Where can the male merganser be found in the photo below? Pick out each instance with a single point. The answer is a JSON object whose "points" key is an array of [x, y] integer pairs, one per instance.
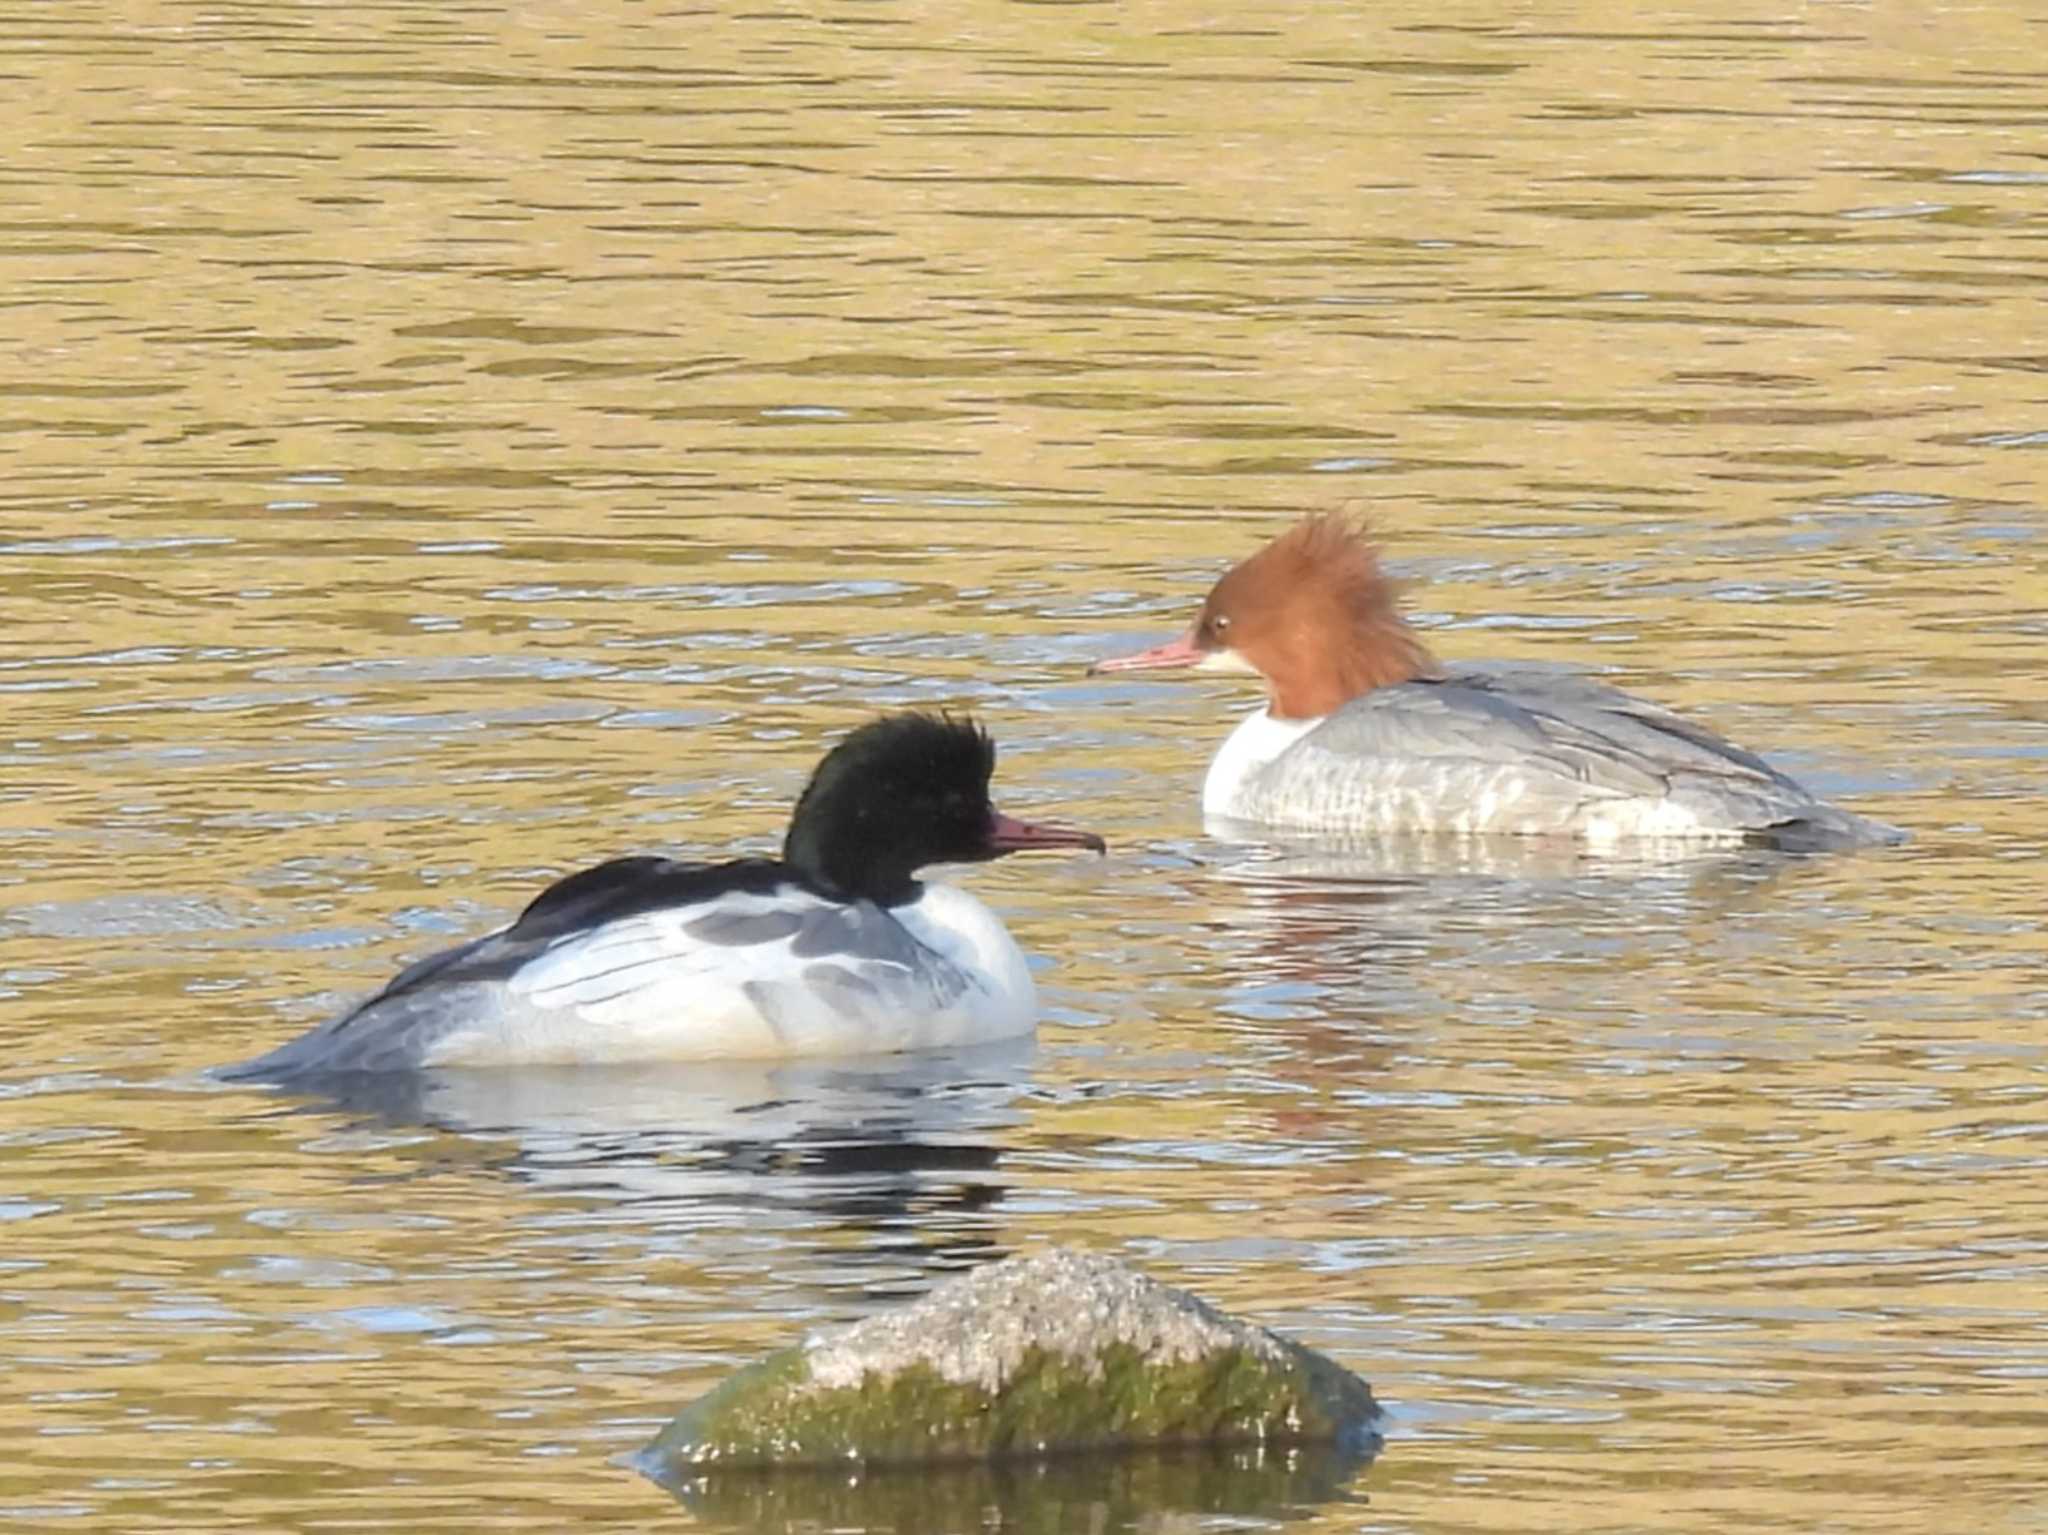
{"points": [[834, 949], [1364, 731]]}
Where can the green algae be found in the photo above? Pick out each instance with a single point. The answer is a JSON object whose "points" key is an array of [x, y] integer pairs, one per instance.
{"points": [[1062, 1495], [773, 1414]]}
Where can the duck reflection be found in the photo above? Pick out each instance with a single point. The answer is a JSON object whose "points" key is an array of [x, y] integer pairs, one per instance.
{"points": [[1408, 858], [906, 1147], [1321, 907]]}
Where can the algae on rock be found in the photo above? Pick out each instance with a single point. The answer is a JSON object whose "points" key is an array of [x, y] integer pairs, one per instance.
{"points": [[1051, 1354], [1159, 1489]]}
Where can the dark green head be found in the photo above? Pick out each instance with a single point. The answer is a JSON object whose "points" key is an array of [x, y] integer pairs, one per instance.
{"points": [[897, 794]]}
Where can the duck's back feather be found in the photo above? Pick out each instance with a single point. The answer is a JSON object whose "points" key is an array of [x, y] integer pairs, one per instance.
{"points": [[647, 959], [1533, 754]]}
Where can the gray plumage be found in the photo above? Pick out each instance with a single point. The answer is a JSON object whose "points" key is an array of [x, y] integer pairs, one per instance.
{"points": [[1532, 753]]}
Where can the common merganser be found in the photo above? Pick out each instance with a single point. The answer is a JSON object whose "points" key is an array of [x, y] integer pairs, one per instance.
{"points": [[1364, 731], [833, 949]]}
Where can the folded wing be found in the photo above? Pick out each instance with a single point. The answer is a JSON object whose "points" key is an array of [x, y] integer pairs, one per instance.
{"points": [[646, 959]]}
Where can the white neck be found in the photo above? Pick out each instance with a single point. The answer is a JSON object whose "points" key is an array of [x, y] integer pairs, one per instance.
{"points": [[1258, 739]]}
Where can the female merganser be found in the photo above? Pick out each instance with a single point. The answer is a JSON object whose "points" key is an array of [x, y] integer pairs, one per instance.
{"points": [[1364, 731], [834, 949]]}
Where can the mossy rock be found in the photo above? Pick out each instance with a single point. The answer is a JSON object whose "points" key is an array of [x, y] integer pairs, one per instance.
{"points": [[1048, 1355], [1056, 1495]]}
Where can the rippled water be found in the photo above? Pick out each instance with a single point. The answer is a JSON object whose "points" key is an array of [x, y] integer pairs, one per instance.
{"points": [[448, 444]]}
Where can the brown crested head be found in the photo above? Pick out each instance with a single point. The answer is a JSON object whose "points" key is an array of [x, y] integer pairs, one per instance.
{"points": [[1314, 614]]}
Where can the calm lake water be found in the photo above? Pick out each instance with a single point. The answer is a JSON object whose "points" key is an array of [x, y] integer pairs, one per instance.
{"points": [[446, 444]]}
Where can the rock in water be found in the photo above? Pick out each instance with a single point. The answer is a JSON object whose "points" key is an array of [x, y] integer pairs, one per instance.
{"points": [[1050, 1354], [1191, 1488]]}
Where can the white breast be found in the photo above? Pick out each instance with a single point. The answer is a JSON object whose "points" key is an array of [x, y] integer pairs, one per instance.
{"points": [[1258, 739], [957, 926]]}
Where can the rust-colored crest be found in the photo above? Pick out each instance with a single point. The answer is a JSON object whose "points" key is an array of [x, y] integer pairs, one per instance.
{"points": [[1317, 616]]}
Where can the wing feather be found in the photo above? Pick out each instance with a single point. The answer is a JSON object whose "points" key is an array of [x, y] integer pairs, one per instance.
{"points": [[1531, 752], [644, 959], [825, 972]]}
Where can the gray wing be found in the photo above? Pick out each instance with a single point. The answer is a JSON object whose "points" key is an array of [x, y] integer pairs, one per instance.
{"points": [[789, 974], [749, 976], [1539, 753], [1604, 735]]}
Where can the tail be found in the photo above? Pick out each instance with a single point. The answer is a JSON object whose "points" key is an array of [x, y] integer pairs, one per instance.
{"points": [[1827, 829], [392, 1031]]}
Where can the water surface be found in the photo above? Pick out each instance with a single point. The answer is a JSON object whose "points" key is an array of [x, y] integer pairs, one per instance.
{"points": [[446, 445]]}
